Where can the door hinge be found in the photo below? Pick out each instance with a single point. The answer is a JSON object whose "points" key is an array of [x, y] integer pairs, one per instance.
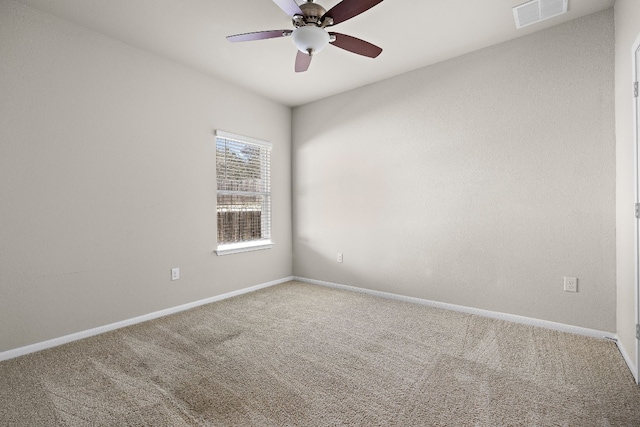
{"points": [[637, 332], [635, 89], [637, 210]]}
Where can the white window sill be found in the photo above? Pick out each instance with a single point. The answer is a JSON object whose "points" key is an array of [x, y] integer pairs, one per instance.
{"points": [[236, 248]]}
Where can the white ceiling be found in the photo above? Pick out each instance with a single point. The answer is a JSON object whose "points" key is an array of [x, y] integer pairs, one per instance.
{"points": [[413, 34]]}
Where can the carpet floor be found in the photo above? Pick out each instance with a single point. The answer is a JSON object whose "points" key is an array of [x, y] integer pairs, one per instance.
{"points": [[303, 355]]}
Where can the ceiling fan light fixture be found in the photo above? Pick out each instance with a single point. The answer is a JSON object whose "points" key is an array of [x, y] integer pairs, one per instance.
{"points": [[310, 35], [310, 38]]}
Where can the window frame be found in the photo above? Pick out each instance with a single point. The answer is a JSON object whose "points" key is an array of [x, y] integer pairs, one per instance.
{"points": [[249, 245]]}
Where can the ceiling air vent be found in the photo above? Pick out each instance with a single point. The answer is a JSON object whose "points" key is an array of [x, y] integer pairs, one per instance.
{"points": [[538, 10]]}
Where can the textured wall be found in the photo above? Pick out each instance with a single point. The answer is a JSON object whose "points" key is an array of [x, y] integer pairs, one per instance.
{"points": [[107, 180], [479, 181], [627, 18]]}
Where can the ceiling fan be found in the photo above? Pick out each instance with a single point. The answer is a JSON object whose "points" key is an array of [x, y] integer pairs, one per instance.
{"points": [[310, 35]]}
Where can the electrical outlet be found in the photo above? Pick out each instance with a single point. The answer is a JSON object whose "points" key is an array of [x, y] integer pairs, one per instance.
{"points": [[175, 273], [340, 257], [571, 284]]}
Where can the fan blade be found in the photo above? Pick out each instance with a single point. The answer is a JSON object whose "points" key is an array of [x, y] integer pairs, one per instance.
{"points": [[302, 62], [356, 45], [290, 7], [347, 9], [259, 35]]}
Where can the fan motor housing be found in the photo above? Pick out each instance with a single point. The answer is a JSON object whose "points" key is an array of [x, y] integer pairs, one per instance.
{"points": [[313, 12]]}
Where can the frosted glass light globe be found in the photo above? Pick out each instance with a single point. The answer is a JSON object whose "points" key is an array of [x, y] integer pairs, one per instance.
{"points": [[310, 37]]}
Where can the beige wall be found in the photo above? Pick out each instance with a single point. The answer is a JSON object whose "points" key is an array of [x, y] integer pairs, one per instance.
{"points": [[480, 181], [627, 19], [107, 180]]}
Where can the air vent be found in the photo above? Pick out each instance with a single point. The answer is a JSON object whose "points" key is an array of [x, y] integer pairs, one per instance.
{"points": [[538, 10]]}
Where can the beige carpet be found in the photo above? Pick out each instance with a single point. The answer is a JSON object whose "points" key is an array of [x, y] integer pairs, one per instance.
{"points": [[303, 355]]}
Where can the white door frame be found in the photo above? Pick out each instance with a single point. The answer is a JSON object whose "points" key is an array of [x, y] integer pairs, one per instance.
{"points": [[635, 55]]}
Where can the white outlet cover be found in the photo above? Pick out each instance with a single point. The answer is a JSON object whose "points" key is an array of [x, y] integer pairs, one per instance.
{"points": [[175, 273], [571, 284]]}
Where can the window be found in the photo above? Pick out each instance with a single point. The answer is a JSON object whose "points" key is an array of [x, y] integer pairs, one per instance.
{"points": [[244, 193]]}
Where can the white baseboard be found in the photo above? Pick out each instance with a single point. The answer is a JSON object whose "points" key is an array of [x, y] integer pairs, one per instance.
{"points": [[630, 363], [484, 313], [21, 351]]}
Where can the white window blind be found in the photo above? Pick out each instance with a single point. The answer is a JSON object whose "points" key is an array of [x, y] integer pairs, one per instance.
{"points": [[243, 172]]}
